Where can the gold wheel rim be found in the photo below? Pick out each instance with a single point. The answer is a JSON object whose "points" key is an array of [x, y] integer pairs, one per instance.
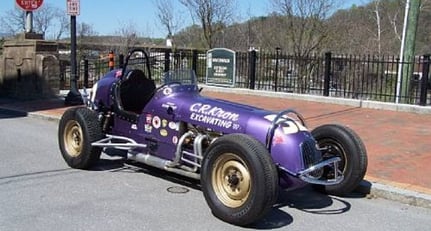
{"points": [[73, 138], [231, 180]]}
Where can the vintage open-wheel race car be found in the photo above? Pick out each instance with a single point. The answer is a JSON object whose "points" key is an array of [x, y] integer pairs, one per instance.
{"points": [[241, 154]]}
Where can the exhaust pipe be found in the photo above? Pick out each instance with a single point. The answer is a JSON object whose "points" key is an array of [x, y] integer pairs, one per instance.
{"points": [[161, 164]]}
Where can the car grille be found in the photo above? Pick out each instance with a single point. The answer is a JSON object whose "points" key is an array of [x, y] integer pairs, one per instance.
{"points": [[310, 154]]}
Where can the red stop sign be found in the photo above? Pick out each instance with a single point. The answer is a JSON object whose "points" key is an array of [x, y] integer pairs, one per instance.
{"points": [[29, 5]]}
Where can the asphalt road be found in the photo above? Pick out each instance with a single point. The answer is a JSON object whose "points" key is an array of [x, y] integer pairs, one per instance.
{"points": [[38, 191]]}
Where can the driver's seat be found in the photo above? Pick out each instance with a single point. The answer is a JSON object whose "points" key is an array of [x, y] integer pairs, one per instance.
{"points": [[136, 90]]}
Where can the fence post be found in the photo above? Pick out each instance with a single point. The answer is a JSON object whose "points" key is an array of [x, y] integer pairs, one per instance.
{"points": [[86, 73], [167, 60], [277, 57], [252, 69], [120, 61], [195, 61], [327, 77], [111, 60], [424, 80]]}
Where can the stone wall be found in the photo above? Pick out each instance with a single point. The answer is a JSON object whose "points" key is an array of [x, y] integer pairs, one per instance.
{"points": [[29, 68]]}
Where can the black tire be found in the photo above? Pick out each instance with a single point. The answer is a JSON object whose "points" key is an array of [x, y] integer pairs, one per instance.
{"points": [[239, 179], [346, 144], [78, 128]]}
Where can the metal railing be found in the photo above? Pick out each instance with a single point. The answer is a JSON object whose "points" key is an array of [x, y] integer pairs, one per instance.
{"points": [[345, 76]]}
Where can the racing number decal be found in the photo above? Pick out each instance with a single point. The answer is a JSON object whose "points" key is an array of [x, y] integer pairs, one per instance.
{"points": [[289, 126]]}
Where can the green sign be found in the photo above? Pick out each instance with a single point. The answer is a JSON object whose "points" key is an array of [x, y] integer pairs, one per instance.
{"points": [[221, 67]]}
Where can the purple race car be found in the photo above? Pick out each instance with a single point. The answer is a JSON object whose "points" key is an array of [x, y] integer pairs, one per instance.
{"points": [[241, 154]]}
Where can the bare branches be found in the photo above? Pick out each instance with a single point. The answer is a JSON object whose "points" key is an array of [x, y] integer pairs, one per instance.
{"points": [[213, 16], [304, 23], [128, 36], [13, 21], [167, 17], [48, 20], [378, 25]]}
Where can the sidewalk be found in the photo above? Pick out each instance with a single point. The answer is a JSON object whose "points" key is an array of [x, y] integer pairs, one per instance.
{"points": [[398, 143]]}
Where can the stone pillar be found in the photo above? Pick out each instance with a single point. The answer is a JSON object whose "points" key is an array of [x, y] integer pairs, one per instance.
{"points": [[30, 67]]}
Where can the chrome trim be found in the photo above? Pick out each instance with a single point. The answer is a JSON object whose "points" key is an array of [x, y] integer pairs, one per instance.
{"points": [[178, 150], [338, 177], [197, 152], [163, 164], [107, 143], [303, 175]]}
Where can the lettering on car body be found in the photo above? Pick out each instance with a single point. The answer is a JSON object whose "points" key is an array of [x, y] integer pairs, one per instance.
{"points": [[213, 115]]}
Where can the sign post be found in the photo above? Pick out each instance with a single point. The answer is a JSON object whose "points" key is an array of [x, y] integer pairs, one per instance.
{"points": [[73, 97], [221, 67], [29, 6]]}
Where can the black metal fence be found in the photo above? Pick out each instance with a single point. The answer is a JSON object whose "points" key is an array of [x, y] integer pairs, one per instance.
{"points": [[346, 76]]}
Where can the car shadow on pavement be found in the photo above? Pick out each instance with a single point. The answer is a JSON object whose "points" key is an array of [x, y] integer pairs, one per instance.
{"points": [[306, 200], [9, 114], [114, 160]]}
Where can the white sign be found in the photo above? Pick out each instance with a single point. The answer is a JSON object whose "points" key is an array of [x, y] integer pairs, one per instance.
{"points": [[73, 7]]}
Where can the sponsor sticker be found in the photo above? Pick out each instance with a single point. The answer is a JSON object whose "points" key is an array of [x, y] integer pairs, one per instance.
{"points": [[148, 128], [172, 125], [175, 139], [167, 91], [156, 122], [163, 132], [148, 119]]}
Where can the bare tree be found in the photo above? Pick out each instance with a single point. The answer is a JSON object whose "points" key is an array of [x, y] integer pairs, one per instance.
{"points": [[127, 37], [395, 23], [378, 25], [213, 16], [84, 32], [48, 20], [167, 17], [43, 19], [49, 17], [13, 21], [306, 31], [187, 37], [305, 25], [63, 26]]}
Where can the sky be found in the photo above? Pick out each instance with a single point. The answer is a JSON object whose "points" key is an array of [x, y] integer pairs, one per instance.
{"points": [[108, 16]]}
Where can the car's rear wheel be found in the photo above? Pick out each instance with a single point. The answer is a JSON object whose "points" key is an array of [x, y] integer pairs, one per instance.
{"points": [[239, 179], [78, 128], [343, 142]]}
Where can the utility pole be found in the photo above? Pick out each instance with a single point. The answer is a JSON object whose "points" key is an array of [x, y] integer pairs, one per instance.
{"points": [[409, 49]]}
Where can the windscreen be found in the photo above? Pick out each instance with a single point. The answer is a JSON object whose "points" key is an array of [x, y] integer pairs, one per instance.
{"points": [[183, 76]]}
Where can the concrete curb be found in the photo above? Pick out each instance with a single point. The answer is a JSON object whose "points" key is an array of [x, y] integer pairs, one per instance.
{"points": [[389, 192], [44, 117]]}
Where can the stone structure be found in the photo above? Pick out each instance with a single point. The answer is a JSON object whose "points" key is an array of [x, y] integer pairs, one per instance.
{"points": [[29, 68]]}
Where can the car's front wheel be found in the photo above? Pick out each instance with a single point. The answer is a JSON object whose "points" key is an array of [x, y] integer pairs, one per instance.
{"points": [[78, 128], [343, 142], [239, 179]]}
